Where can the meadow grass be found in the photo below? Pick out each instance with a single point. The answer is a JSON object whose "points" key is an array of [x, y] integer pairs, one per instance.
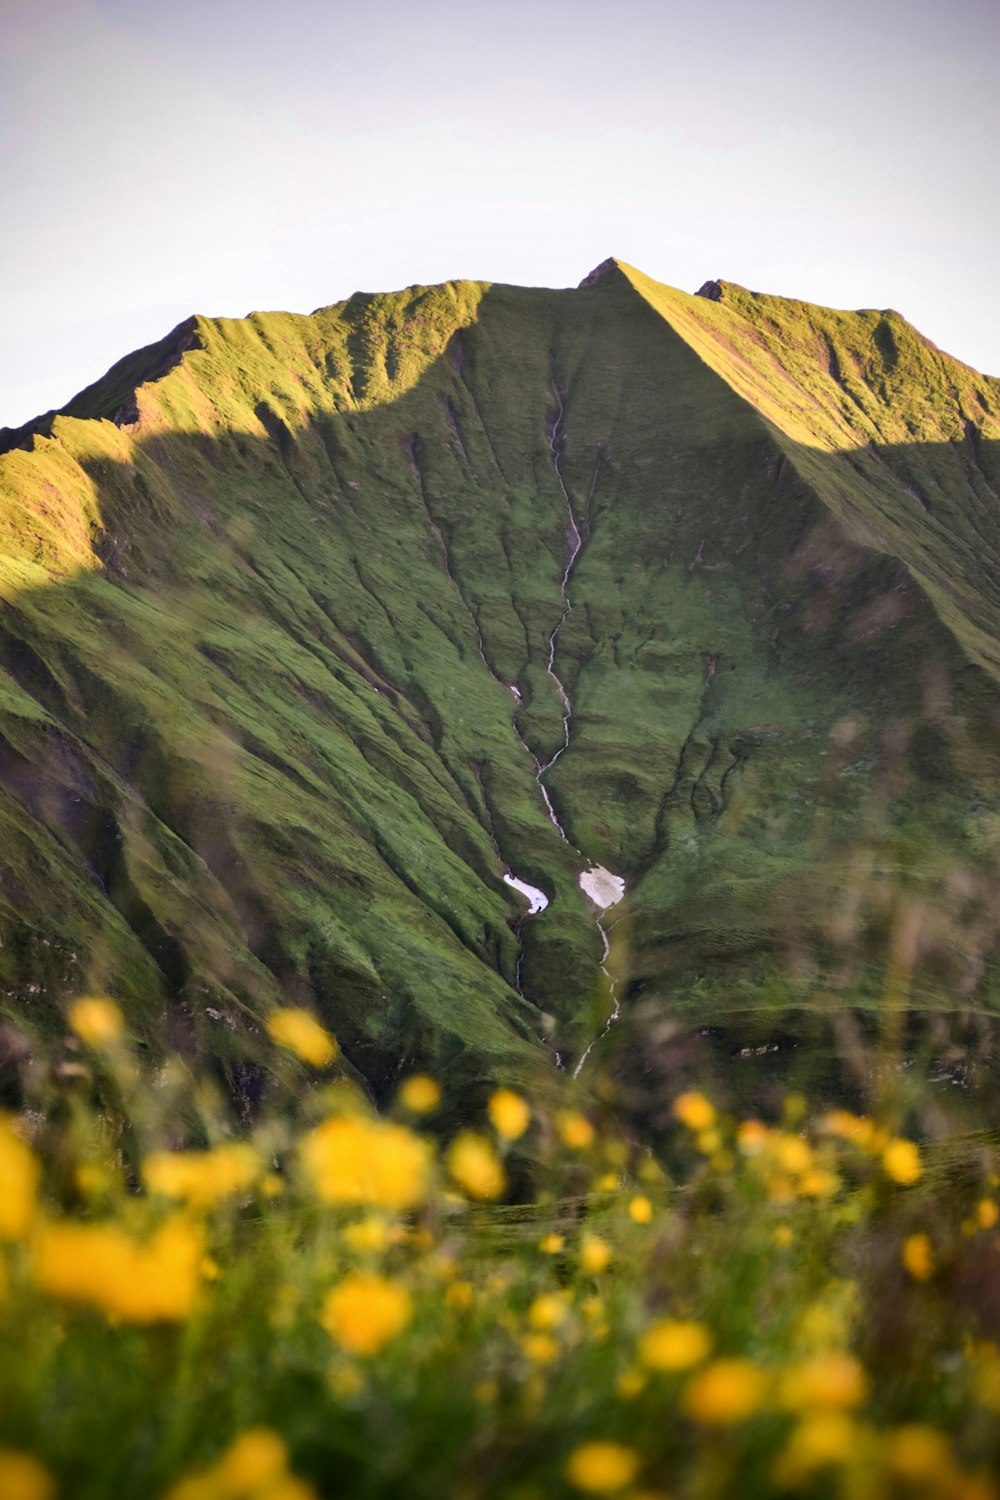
{"points": [[336, 1302]]}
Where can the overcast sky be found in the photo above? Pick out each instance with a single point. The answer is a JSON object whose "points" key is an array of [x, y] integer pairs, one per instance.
{"points": [[163, 157]]}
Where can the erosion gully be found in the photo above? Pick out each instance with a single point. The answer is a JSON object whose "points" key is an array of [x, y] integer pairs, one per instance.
{"points": [[602, 889]]}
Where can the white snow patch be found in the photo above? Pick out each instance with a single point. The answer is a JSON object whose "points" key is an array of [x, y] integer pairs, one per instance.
{"points": [[603, 888], [537, 900]]}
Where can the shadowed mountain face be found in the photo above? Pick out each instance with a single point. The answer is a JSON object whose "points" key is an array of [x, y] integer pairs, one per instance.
{"points": [[316, 627]]}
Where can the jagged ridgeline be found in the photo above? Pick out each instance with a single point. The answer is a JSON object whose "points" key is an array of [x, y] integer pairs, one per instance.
{"points": [[315, 628]]}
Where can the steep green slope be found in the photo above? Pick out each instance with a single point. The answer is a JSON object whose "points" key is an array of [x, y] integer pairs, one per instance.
{"points": [[271, 585]]}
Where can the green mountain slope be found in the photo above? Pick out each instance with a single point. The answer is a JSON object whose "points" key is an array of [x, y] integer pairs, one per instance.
{"points": [[270, 588]]}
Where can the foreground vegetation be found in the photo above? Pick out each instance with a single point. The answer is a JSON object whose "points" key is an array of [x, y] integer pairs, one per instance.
{"points": [[336, 1302]]}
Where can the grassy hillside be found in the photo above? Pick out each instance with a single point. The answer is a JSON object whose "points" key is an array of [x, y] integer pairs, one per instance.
{"points": [[270, 584]]}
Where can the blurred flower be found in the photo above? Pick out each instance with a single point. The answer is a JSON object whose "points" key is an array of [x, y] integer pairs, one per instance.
{"points": [[367, 1236], [202, 1178], [835, 1379], [540, 1348], [918, 1453], [694, 1110], [19, 1172], [575, 1130], [473, 1164], [23, 1477], [987, 1213], [302, 1034], [901, 1161], [918, 1256], [822, 1439], [752, 1137], [96, 1020], [551, 1244], [595, 1254], [138, 1282], [602, 1468], [509, 1114], [419, 1094], [350, 1159], [726, 1393], [669, 1345], [363, 1313], [253, 1467], [548, 1311], [640, 1210]]}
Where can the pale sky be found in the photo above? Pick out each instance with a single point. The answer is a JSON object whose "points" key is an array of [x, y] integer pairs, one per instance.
{"points": [[164, 157]]}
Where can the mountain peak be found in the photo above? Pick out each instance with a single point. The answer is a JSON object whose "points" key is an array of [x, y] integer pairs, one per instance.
{"points": [[710, 289], [606, 271]]}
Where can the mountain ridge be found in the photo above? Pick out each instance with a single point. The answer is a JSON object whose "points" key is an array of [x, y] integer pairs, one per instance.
{"points": [[307, 575]]}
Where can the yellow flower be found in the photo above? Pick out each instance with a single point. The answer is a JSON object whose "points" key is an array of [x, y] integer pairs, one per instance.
{"points": [[602, 1468], [987, 1213], [752, 1137], [694, 1110], [819, 1182], [138, 1282], [420, 1095], [792, 1153], [96, 1021], [473, 1164], [595, 1254], [853, 1128], [302, 1034], [640, 1210], [783, 1237], [253, 1467], [575, 1130], [368, 1236], [509, 1114], [822, 1439], [202, 1178], [540, 1348], [23, 1478], [459, 1295], [363, 1313], [630, 1383], [354, 1160], [19, 1173], [548, 1311], [835, 1380], [551, 1244], [726, 1393], [255, 1461], [901, 1160], [918, 1256], [669, 1345], [921, 1454]]}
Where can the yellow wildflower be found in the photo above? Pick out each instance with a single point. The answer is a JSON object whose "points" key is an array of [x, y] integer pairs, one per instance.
{"points": [[640, 1210], [752, 1137], [854, 1128], [420, 1095], [918, 1256], [834, 1379], [670, 1345], [792, 1153], [694, 1111], [602, 1468], [255, 1460], [202, 1178], [595, 1254], [19, 1174], [548, 1311], [901, 1161], [726, 1393], [363, 1313], [367, 1236], [783, 1237], [824, 1438], [819, 1182], [23, 1478], [100, 1264], [354, 1160], [540, 1348], [551, 1244], [630, 1383], [459, 1295], [921, 1454], [575, 1130], [302, 1034], [987, 1213], [473, 1164], [96, 1020], [509, 1114]]}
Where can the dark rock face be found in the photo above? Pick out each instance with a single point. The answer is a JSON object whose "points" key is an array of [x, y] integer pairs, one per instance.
{"points": [[710, 289]]}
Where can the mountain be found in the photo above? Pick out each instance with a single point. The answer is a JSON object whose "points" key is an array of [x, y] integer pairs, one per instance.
{"points": [[317, 627]]}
